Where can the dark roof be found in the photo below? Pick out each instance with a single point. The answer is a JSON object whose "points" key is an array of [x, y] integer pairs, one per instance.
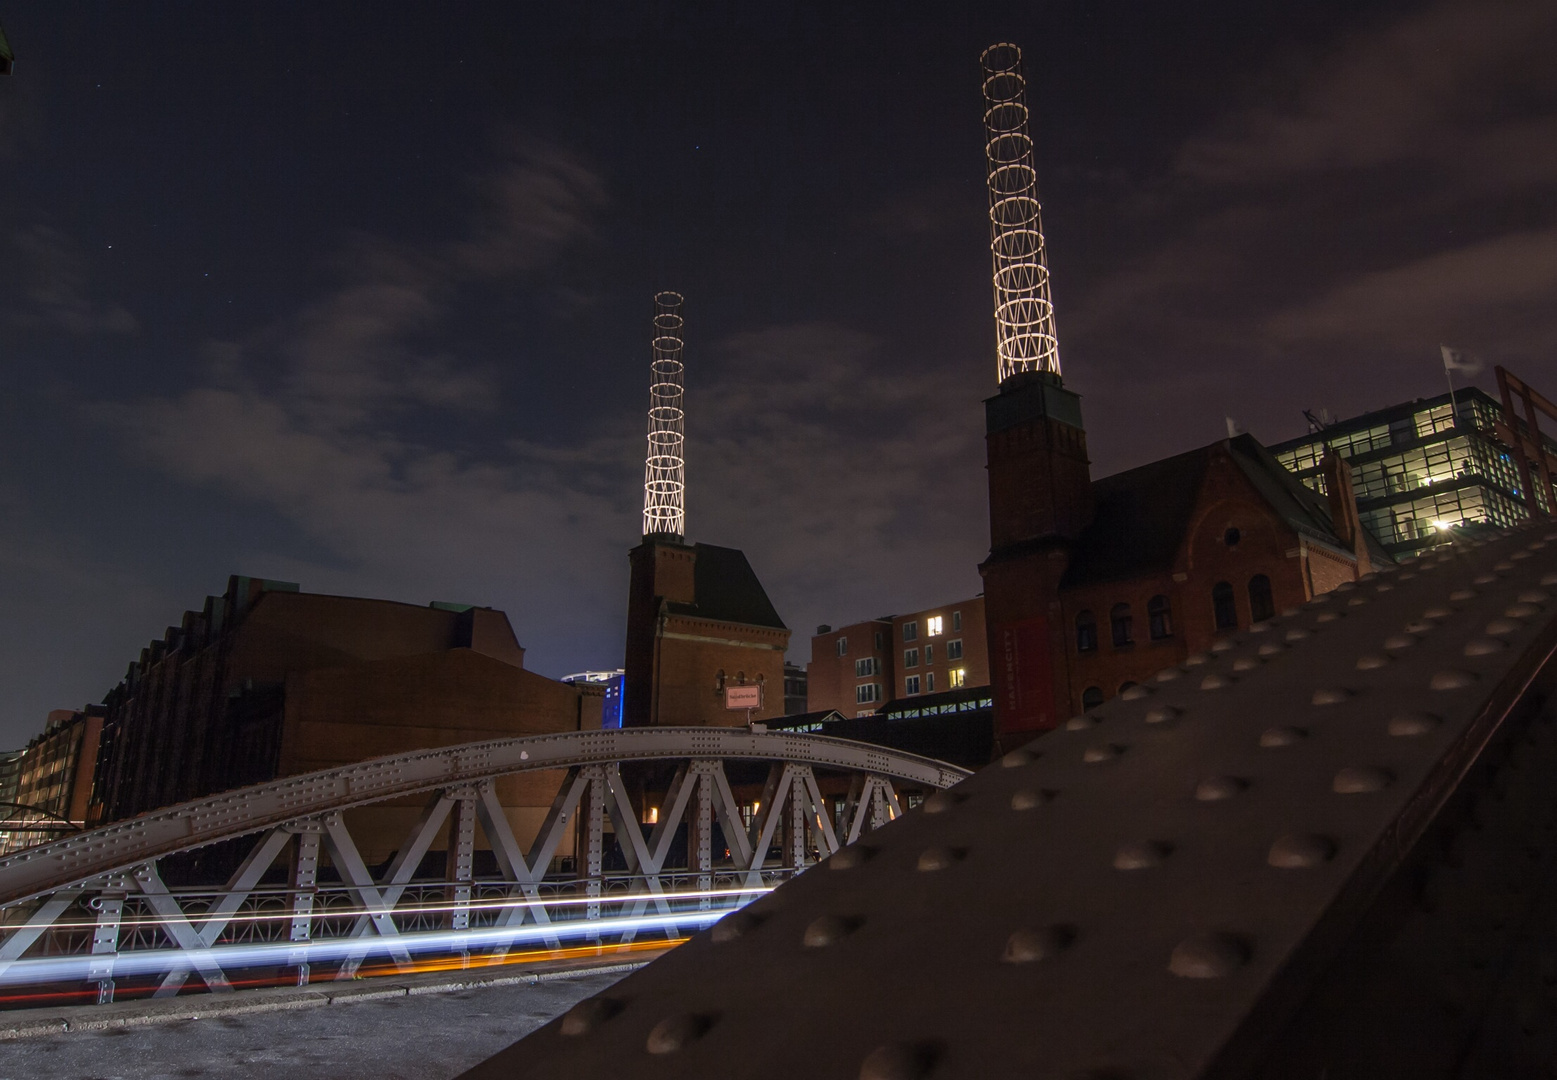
{"points": [[1142, 515], [727, 589], [1139, 517]]}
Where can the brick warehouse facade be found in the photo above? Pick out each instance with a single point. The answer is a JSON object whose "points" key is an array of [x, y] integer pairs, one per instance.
{"points": [[698, 619], [268, 681], [1092, 586]]}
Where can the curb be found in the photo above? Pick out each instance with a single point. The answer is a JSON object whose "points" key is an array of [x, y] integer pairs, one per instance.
{"points": [[282, 998]]}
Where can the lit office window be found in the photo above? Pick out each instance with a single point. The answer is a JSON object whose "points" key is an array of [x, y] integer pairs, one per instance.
{"points": [[933, 626], [957, 678]]}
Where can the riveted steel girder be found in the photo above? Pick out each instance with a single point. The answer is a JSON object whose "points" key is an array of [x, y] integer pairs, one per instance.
{"points": [[1158, 890]]}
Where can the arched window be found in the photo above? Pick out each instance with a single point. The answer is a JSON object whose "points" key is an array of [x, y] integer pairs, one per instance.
{"points": [[1223, 607], [1261, 606], [1091, 697], [1119, 622], [1086, 632], [1159, 618]]}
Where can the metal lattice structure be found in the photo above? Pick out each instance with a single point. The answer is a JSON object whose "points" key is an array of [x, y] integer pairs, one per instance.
{"points": [[1024, 312], [95, 908], [665, 469], [1325, 848]]}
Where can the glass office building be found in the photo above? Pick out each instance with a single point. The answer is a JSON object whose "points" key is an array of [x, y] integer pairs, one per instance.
{"points": [[1421, 468]]}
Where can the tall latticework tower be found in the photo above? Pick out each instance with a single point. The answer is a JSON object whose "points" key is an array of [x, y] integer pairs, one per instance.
{"points": [[664, 471], [1024, 313]]}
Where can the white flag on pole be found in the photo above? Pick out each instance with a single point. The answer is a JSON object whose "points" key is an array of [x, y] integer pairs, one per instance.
{"points": [[1459, 360]]}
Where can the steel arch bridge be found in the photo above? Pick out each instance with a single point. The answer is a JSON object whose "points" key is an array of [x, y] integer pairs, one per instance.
{"points": [[94, 908], [1327, 848]]}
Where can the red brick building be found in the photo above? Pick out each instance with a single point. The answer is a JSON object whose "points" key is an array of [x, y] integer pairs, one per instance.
{"points": [[269, 681], [857, 669], [1091, 586], [698, 620]]}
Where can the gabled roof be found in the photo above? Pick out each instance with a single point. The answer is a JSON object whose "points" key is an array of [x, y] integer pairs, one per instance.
{"points": [[1139, 518], [1141, 515], [727, 589]]}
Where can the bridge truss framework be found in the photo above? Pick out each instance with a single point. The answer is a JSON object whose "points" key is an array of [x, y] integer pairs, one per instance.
{"points": [[95, 908]]}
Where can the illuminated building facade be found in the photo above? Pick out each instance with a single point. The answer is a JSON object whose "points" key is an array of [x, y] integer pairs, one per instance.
{"points": [[1422, 467], [860, 669]]}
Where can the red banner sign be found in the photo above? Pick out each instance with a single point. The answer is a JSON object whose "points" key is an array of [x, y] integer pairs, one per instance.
{"points": [[1024, 677]]}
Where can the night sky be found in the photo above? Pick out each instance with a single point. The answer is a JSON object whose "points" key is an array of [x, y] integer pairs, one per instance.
{"points": [[358, 294]]}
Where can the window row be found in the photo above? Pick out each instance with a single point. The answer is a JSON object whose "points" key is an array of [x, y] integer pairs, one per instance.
{"points": [[1121, 624], [1159, 615]]}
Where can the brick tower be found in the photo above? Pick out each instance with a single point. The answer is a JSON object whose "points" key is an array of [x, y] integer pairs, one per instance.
{"points": [[1039, 477]]}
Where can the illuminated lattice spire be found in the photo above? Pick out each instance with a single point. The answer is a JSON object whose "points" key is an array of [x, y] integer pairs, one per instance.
{"points": [[664, 471], [1024, 314]]}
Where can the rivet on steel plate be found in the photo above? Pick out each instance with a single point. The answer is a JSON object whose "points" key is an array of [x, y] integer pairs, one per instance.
{"points": [[1407, 575], [828, 930], [896, 1061], [589, 1014], [1300, 851], [1287, 613], [1081, 723], [1372, 661], [1259, 627], [1484, 646], [1297, 633], [1135, 693], [1357, 601], [1437, 613], [1333, 695], [1276, 737], [942, 801], [1451, 679], [1361, 780], [1484, 579], [1142, 855], [1533, 596], [1101, 752], [1045, 943], [1406, 725], [1399, 641], [1017, 758], [1384, 586], [1516, 556], [734, 925], [1521, 611], [1328, 616], [674, 1032], [1168, 674], [1216, 682], [1549, 579], [1271, 648], [1223, 645], [1504, 625], [1208, 956], [1195, 659], [1460, 595], [1218, 788], [850, 857], [1246, 663], [1503, 566], [1161, 714], [937, 858], [1030, 798]]}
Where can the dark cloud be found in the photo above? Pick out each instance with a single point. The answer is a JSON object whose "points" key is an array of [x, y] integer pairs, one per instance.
{"points": [[378, 349]]}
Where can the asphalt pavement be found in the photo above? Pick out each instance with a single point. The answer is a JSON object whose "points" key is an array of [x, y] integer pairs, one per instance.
{"points": [[418, 1031]]}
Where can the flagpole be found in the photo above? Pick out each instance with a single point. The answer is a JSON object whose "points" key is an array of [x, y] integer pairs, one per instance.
{"points": [[1448, 373]]}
